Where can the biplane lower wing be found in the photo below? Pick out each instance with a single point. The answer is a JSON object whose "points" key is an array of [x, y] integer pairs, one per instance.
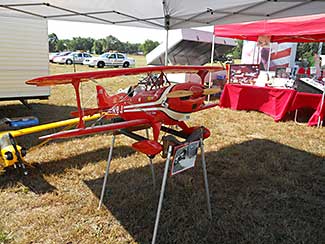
{"points": [[97, 129]]}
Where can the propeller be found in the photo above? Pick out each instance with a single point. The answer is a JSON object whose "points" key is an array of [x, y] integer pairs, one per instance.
{"points": [[179, 93], [210, 91], [186, 93], [20, 162]]}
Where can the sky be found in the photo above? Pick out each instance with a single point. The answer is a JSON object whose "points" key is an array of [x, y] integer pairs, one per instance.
{"points": [[67, 30]]}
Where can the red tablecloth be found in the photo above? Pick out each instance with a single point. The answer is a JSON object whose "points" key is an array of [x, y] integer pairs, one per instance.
{"points": [[272, 101], [305, 100], [320, 112]]}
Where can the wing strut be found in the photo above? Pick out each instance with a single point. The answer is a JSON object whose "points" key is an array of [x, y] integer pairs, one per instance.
{"points": [[76, 85]]}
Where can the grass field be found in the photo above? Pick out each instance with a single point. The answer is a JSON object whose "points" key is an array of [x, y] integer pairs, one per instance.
{"points": [[267, 183]]}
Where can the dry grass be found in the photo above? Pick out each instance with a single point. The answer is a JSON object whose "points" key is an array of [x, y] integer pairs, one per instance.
{"points": [[267, 183]]}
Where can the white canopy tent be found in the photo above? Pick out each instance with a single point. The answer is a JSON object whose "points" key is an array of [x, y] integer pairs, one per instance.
{"points": [[162, 14]]}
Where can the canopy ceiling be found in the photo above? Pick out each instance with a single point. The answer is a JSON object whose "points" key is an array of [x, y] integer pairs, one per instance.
{"points": [[166, 14], [294, 29]]}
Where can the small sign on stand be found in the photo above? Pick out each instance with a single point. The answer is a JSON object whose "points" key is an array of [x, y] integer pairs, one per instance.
{"points": [[184, 157]]}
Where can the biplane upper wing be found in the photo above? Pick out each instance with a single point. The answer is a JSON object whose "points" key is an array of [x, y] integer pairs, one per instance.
{"points": [[86, 76], [97, 129]]}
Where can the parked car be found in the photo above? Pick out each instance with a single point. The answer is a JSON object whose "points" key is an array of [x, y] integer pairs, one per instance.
{"points": [[52, 56], [75, 57], [110, 59]]}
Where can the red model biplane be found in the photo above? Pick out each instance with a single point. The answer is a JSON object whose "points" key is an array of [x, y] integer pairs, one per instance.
{"points": [[154, 102]]}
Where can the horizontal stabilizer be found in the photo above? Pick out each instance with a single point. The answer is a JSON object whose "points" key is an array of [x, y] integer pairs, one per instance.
{"points": [[148, 147]]}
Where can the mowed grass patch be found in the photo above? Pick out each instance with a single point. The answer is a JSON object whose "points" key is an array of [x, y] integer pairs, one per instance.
{"points": [[267, 183]]}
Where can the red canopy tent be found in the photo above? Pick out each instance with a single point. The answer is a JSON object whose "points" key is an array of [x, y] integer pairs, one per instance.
{"points": [[294, 29]]}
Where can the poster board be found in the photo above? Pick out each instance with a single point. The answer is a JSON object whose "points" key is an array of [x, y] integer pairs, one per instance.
{"points": [[282, 55], [184, 157], [243, 73]]}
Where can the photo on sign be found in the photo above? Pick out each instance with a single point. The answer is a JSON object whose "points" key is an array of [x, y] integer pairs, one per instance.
{"points": [[243, 73], [185, 156]]}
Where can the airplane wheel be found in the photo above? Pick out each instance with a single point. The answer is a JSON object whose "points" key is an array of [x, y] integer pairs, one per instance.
{"points": [[69, 61], [126, 64], [100, 64]]}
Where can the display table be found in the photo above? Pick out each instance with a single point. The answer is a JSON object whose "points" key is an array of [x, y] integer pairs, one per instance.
{"points": [[275, 102]]}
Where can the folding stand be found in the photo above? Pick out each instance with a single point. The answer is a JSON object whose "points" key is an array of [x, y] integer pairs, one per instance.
{"points": [[164, 181], [108, 167], [163, 186]]}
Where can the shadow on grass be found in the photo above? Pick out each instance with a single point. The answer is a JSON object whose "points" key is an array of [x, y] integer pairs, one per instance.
{"points": [[35, 180], [261, 192], [45, 112]]}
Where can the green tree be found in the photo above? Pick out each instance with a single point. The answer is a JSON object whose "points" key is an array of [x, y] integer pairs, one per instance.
{"points": [[132, 47], [306, 51], [104, 45], [113, 44], [98, 46], [237, 50], [62, 45], [52, 39], [88, 44], [148, 46], [80, 43]]}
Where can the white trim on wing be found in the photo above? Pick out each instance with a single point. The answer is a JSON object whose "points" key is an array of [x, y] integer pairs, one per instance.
{"points": [[172, 114]]}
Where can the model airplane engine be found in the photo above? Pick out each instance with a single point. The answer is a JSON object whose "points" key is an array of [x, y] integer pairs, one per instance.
{"points": [[11, 153]]}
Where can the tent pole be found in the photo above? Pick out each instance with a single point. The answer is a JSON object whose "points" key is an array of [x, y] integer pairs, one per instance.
{"points": [[254, 52], [166, 51], [321, 108], [320, 47], [211, 60], [269, 59]]}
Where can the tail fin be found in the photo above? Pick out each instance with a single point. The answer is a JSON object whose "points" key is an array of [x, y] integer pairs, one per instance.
{"points": [[103, 99]]}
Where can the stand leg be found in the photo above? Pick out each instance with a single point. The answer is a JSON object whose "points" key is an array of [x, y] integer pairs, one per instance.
{"points": [[152, 173], [296, 114], [205, 174], [162, 191], [151, 166], [106, 172]]}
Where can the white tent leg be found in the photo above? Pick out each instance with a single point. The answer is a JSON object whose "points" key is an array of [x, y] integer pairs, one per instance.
{"points": [[106, 172], [162, 191], [254, 52], [211, 60], [296, 115], [166, 50], [319, 123], [151, 165], [269, 59], [205, 174]]}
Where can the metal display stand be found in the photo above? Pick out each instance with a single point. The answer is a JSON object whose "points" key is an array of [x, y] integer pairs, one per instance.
{"points": [[164, 181]]}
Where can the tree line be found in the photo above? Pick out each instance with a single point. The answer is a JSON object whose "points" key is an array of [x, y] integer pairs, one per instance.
{"points": [[98, 46]]}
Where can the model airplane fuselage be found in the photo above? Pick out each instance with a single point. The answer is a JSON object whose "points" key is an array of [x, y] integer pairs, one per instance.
{"points": [[154, 104]]}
